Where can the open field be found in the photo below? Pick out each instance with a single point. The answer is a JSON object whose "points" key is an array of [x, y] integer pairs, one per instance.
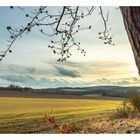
{"points": [[26, 115]]}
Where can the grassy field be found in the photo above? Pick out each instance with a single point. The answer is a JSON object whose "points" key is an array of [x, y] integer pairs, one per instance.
{"points": [[26, 115]]}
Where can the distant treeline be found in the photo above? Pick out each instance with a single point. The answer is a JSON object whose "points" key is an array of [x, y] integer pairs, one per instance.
{"points": [[111, 91], [17, 88]]}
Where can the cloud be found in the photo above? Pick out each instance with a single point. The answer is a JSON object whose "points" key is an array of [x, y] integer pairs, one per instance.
{"points": [[52, 82], [70, 64], [17, 78], [21, 69], [118, 82], [41, 82], [66, 72], [93, 69]]}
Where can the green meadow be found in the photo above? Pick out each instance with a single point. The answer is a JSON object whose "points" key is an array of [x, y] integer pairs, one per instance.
{"points": [[26, 115]]}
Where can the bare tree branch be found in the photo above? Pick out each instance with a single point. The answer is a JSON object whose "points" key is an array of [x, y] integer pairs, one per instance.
{"points": [[60, 27], [105, 34]]}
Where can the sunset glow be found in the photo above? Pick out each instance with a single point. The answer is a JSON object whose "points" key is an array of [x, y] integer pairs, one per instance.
{"points": [[33, 64]]}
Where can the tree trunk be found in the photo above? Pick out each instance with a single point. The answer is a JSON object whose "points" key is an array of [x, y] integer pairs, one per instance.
{"points": [[131, 18]]}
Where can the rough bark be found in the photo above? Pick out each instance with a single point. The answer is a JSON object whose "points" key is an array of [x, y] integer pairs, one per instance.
{"points": [[131, 18]]}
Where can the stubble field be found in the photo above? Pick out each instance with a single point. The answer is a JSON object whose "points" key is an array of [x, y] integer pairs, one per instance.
{"points": [[26, 115]]}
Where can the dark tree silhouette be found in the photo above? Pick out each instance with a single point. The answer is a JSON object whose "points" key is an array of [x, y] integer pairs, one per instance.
{"points": [[131, 17]]}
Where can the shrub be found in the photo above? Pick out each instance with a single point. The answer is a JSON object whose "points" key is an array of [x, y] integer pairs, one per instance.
{"points": [[134, 100], [129, 108], [123, 111]]}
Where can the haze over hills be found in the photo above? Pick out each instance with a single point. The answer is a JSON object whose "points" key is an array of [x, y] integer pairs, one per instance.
{"points": [[113, 91]]}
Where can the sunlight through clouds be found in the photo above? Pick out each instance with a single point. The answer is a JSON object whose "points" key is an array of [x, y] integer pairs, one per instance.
{"points": [[32, 60]]}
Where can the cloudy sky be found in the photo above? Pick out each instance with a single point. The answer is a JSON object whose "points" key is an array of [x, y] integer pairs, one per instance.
{"points": [[33, 64]]}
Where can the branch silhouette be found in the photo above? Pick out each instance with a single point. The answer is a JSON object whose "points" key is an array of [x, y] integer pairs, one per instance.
{"points": [[62, 27]]}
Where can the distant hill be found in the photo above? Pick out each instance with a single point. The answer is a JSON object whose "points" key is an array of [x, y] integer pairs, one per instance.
{"points": [[112, 91]]}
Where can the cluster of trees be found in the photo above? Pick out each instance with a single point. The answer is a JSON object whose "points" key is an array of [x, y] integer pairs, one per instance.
{"points": [[19, 88]]}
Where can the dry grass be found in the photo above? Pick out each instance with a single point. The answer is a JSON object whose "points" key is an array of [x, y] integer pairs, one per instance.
{"points": [[25, 115], [93, 126]]}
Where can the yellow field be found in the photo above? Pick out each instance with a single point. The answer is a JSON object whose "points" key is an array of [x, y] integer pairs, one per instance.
{"points": [[24, 115]]}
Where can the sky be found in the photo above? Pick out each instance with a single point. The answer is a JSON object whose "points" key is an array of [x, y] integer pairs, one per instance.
{"points": [[33, 64]]}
